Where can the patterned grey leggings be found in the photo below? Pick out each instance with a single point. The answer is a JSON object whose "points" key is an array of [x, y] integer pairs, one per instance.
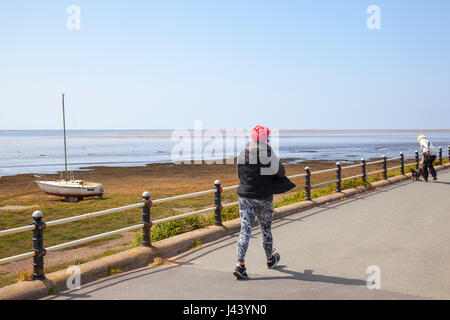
{"points": [[248, 209]]}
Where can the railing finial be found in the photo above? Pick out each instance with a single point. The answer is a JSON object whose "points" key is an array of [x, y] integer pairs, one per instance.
{"points": [[146, 195]]}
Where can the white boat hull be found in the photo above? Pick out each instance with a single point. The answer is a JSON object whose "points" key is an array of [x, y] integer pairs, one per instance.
{"points": [[72, 188]]}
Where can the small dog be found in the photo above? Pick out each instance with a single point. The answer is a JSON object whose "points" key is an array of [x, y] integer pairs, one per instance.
{"points": [[415, 174]]}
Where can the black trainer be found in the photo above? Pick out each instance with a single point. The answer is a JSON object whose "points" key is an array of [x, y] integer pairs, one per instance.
{"points": [[434, 178], [240, 272], [274, 261]]}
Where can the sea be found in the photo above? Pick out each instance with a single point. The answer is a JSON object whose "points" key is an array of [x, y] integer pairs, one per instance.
{"points": [[42, 151]]}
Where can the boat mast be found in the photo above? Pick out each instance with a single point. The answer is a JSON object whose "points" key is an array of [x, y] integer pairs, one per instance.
{"points": [[65, 150]]}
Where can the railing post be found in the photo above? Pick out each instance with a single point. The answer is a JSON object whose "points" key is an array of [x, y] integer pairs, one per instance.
{"points": [[218, 203], [440, 156], [402, 164], [448, 154], [363, 170], [307, 183], [147, 224], [384, 167], [417, 159], [338, 177], [38, 246]]}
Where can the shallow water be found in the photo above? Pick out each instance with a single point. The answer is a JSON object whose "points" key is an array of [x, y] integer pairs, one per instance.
{"points": [[42, 151]]}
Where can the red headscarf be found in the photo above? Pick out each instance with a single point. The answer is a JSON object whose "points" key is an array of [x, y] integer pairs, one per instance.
{"points": [[260, 133]]}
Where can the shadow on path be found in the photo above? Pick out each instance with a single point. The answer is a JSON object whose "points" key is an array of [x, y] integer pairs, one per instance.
{"points": [[308, 275], [441, 182]]}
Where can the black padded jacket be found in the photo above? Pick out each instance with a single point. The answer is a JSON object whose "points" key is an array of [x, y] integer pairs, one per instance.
{"points": [[261, 173]]}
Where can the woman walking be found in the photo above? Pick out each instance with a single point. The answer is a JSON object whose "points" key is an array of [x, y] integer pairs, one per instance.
{"points": [[261, 175], [429, 155]]}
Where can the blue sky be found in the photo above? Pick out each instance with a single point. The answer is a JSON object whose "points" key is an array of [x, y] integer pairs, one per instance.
{"points": [[231, 64]]}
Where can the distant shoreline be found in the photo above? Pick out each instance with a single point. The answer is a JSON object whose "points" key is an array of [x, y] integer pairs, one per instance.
{"points": [[167, 133]]}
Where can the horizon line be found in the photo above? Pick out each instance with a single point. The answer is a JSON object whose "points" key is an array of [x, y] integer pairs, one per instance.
{"points": [[110, 129]]}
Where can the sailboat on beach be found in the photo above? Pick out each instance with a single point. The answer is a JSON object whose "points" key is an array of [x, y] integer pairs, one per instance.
{"points": [[73, 190]]}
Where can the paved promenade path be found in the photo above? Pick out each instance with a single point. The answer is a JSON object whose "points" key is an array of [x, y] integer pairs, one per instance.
{"points": [[404, 229]]}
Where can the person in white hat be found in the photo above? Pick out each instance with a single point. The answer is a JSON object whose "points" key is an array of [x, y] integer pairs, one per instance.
{"points": [[428, 156]]}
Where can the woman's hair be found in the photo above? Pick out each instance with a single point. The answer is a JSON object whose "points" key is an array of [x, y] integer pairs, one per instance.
{"points": [[420, 137], [260, 134]]}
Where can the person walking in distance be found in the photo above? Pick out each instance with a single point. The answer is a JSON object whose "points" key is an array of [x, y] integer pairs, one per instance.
{"points": [[261, 175], [428, 156]]}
